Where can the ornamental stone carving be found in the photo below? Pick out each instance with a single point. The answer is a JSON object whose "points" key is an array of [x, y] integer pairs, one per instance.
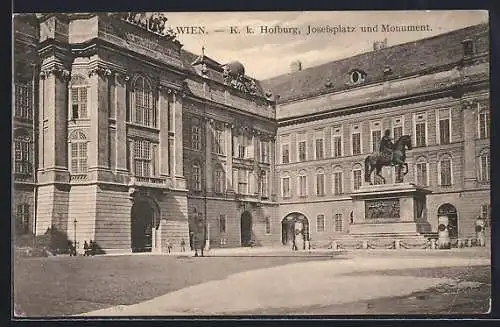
{"points": [[62, 73], [101, 71], [154, 22]]}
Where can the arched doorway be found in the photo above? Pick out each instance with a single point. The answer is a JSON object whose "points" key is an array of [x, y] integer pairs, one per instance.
{"points": [[142, 222], [450, 211], [246, 228], [295, 226]]}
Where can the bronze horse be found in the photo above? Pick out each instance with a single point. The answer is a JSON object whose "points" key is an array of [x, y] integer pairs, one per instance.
{"points": [[377, 160]]}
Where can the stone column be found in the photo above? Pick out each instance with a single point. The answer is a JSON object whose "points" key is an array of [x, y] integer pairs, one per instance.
{"points": [[470, 127], [229, 156], [120, 103], [163, 109], [208, 156]]}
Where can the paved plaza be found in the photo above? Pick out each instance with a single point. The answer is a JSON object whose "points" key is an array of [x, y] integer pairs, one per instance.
{"points": [[253, 281]]}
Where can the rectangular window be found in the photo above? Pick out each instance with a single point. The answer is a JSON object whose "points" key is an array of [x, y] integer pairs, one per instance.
{"points": [[319, 146], [422, 173], [79, 102], [23, 218], [195, 137], [23, 101], [285, 153], [420, 121], [302, 186], [484, 124], [444, 131], [319, 149], [445, 172], [268, 225], [337, 146], [197, 178], [264, 151], [337, 183], [397, 132], [263, 184], [320, 223], [222, 224], [22, 157], [242, 181], [219, 141], [285, 187], [339, 223], [356, 143], [484, 161], [376, 137], [219, 181], [337, 141], [78, 157], [142, 158], [356, 174], [320, 184], [485, 211], [302, 150]]}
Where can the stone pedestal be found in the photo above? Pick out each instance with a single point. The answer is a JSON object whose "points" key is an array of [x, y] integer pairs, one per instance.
{"points": [[390, 209]]}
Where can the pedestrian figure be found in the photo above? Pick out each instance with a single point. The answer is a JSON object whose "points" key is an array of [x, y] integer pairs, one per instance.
{"points": [[294, 245], [169, 246], [183, 246], [86, 248], [93, 247]]}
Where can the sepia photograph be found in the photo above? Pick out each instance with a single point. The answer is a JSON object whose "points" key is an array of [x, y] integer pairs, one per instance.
{"points": [[292, 163]]}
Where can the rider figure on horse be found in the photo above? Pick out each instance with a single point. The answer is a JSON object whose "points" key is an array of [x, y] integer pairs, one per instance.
{"points": [[386, 145]]}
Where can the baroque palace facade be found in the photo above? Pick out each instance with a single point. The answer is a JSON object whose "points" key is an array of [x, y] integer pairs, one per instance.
{"points": [[122, 137]]}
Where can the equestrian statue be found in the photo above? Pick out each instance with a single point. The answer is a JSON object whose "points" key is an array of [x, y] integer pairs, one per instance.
{"points": [[389, 154]]}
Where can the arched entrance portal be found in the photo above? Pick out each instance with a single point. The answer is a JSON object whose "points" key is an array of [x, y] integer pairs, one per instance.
{"points": [[143, 220], [448, 210], [295, 226], [246, 228]]}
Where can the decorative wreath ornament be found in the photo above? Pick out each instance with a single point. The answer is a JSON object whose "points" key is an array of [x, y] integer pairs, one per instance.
{"points": [[479, 229], [442, 228]]}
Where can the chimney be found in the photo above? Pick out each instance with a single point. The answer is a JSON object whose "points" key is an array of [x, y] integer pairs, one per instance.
{"points": [[295, 66]]}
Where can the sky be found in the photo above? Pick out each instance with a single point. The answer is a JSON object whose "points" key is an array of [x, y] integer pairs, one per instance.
{"points": [[267, 55]]}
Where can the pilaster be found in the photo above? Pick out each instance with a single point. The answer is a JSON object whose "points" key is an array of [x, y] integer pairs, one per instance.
{"points": [[470, 127]]}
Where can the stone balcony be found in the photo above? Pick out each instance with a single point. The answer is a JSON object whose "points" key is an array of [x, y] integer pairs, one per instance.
{"points": [[156, 182]]}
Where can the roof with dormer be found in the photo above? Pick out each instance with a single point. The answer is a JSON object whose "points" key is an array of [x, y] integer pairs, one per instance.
{"points": [[387, 63]]}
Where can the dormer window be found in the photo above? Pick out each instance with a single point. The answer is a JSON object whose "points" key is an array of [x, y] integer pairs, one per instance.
{"points": [[357, 76], [468, 47]]}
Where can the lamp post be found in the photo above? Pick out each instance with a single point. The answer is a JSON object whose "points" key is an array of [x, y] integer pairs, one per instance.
{"points": [[74, 240]]}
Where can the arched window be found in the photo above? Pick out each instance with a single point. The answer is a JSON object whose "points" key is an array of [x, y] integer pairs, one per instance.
{"points": [[445, 171], [220, 180], [421, 172], [302, 183], [338, 181], [22, 156], [79, 100], [320, 182], [143, 103], [357, 176], [196, 176], [195, 134], [78, 152], [484, 166]]}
